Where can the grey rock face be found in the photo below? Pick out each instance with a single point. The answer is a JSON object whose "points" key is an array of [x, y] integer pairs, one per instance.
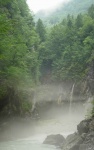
{"points": [[83, 127], [56, 140], [72, 142], [86, 147], [82, 140]]}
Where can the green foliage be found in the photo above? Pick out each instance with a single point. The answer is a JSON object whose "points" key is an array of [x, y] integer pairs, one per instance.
{"points": [[26, 106], [28, 52], [41, 30], [91, 11], [69, 48], [19, 63], [79, 21]]}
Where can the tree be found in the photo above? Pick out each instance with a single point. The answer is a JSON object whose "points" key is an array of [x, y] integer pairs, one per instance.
{"points": [[19, 64], [41, 30], [79, 21], [91, 11]]}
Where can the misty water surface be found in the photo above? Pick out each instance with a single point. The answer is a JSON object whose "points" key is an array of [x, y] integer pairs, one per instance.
{"points": [[23, 133]]}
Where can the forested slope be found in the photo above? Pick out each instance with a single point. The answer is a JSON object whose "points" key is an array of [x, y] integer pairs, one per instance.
{"points": [[68, 52], [19, 64], [30, 54], [73, 7], [69, 46]]}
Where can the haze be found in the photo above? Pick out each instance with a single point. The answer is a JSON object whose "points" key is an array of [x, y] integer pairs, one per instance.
{"points": [[36, 5]]}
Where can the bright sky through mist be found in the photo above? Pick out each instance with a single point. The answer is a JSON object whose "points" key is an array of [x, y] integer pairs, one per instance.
{"points": [[36, 5]]}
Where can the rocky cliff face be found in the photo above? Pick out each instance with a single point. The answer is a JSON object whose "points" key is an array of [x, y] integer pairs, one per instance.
{"points": [[83, 139]]}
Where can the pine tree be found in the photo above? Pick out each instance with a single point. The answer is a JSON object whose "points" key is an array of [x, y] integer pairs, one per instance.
{"points": [[41, 30]]}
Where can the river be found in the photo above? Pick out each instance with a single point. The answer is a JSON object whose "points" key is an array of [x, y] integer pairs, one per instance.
{"points": [[23, 134]]}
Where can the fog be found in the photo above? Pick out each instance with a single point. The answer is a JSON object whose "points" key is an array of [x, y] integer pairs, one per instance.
{"points": [[36, 6], [56, 119], [51, 115]]}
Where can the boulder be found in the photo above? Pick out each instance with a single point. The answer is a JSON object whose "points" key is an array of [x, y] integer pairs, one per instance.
{"points": [[86, 147], [83, 127], [72, 142], [89, 138], [56, 140], [91, 125], [83, 139]]}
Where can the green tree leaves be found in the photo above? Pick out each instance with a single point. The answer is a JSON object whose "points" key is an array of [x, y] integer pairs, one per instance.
{"points": [[70, 47], [27, 51], [41, 30], [19, 64]]}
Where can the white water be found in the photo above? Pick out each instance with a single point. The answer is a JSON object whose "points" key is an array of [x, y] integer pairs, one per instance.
{"points": [[71, 99], [24, 145]]}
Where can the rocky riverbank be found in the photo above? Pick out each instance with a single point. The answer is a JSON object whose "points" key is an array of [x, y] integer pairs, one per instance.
{"points": [[83, 139], [54, 119]]}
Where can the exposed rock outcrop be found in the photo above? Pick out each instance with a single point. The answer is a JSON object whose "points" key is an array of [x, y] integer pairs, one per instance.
{"points": [[72, 142], [56, 140], [83, 127], [83, 139]]}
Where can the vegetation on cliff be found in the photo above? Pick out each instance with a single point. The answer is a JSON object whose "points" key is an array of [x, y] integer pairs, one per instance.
{"points": [[19, 63], [29, 52], [68, 50]]}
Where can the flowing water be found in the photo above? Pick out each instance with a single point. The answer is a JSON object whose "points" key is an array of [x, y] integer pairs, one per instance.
{"points": [[71, 99], [29, 134], [24, 145]]}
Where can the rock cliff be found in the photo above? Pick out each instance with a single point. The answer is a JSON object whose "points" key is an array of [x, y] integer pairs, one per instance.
{"points": [[83, 139]]}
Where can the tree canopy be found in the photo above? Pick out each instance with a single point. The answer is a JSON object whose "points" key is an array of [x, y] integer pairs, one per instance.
{"points": [[29, 51]]}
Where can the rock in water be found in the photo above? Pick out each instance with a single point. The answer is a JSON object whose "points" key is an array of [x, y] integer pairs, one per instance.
{"points": [[72, 142], [83, 139], [56, 140], [83, 127]]}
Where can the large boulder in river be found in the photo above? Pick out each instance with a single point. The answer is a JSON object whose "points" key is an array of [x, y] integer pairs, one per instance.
{"points": [[91, 125], [83, 127], [83, 139], [88, 143], [72, 142], [56, 140], [86, 147]]}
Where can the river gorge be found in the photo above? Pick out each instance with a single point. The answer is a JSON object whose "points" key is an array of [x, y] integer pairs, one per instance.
{"points": [[58, 114]]}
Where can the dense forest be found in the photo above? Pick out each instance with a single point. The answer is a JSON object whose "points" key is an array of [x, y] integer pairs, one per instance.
{"points": [[31, 54], [19, 64]]}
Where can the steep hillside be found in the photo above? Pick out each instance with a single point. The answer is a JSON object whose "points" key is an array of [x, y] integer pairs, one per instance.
{"points": [[73, 7]]}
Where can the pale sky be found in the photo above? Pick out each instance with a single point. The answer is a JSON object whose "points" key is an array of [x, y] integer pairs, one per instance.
{"points": [[36, 5]]}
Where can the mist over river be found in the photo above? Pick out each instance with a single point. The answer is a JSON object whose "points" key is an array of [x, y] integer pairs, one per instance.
{"points": [[27, 133], [46, 75]]}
